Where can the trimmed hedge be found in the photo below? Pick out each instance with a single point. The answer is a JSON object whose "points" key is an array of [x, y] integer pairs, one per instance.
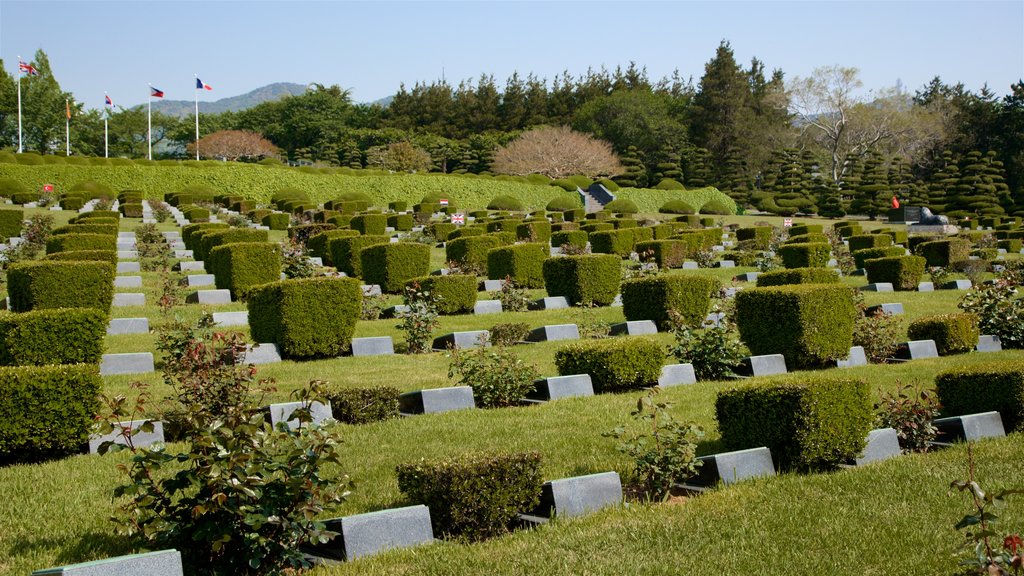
{"points": [[96, 214], [345, 251], [504, 225], [456, 293], [863, 241], [809, 238], [54, 336], [592, 278], [71, 242], [242, 265], [953, 333], [652, 298], [85, 255], [945, 252], [46, 411], [622, 206], [276, 221], [363, 405], [575, 238], [798, 276], [666, 253], [441, 230], [401, 222], [524, 263], [505, 202], [467, 231], [471, 251], [391, 265], [60, 284], [992, 386], [808, 421], [862, 256], [369, 224], [813, 255], [614, 364], [317, 245], [190, 230], [810, 324], [904, 272], [307, 317], [474, 496], [759, 236], [108, 229], [10, 222], [898, 236], [618, 242], [196, 213], [132, 209], [211, 240], [800, 229], [303, 232], [534, 232]]}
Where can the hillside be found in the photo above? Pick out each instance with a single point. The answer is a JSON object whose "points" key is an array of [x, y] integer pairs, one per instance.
{"points": [[268, 93]]}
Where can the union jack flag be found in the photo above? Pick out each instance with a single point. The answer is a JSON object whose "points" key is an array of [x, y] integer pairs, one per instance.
{"points": [[27, 68]]}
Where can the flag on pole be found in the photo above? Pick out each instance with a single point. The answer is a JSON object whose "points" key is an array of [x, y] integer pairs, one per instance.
{"points": [[107, 101], [156, 92], [26, 68], [201, 86], [67, 108]]}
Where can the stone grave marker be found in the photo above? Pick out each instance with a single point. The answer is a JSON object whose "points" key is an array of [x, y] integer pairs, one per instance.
{"points": [[676, 374], [198, 280], [634, 328], [731, 467], [725, 264], [882, 444], [394, 311], [766, 365], [487, 307], [748, 277], [127, 255], [917, 349], [556, 387], [160, 563], [925, 287], [436, 400], [240, 318], [184, 254], [878, 287], [366, 534], [554, 332], [857, 357], [957, 285], [222, 296], [373, 346], [128, 326], [893, 308], [969, 427], [371, 290], [491, 285], [549, 303], [128, 267], [283, 413], [128, 282], [123, 299], [460, 340], [193, 266], [126, 363], [577, 496], [690, 265], [265, 353], [989, 343]]}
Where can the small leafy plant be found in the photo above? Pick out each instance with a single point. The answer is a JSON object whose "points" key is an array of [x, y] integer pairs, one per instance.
{"points": [[715, 351], [295, 262], [878, 332], [980, 537], [1000, 311], [512, 297], [911, 411], [508, 334], [497, 375], [584, 316], [420, 320]]}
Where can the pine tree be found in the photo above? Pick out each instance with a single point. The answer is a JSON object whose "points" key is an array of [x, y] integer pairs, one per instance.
{"points": [[830, 201], [943, 183], [634, 175], [997, 174], [791, 188], [901, 181], [350, 154], [977, 193], [697, 168], [872, 195], [734, 180], [669, 166]]}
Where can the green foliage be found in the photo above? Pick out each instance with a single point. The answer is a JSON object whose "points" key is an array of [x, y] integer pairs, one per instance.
{"points": [[211, 239], [370, 224], [944, 252], [90, 255], [808, 421], [72, 242], [863, 241], [655, 298], [575, 238], [308, 317], [10, 188], [911, 411], [615, 364], [46, 411], [992, 386], [813, 255], [714, 352], [276, 221], [589, 278], [419, 320], [363, 405], [52, 336], [498, 377], [865, 254], [523, 263], [877, 333], [810, 324], [760, 237], [60, 284], [669, 184], [134, 210], [952, 333], [798, 276], [1000, 311], [507, 334], [904, 272], [619, 242], [534, 232], [189, 230], [504, 225], [665, 253], [317, 244], [649, 200], [622, 206], [505, 202], [241, 266], [10, 222], [474, 496], [471, 252], [108, 229], [454, 293], [801, 229], [718, 207], [345, 252], [677, 207], [563, 202], [391, 265], [982, 555], [441, 230], [401, 222]]}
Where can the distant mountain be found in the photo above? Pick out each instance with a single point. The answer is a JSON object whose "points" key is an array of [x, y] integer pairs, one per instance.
{"points": [[268, 93]]}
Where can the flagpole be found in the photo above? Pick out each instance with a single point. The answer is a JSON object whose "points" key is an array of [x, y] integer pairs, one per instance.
{"points": [[20, 147], [67, 127], [106, 115], [149, 122], [197, 116]]}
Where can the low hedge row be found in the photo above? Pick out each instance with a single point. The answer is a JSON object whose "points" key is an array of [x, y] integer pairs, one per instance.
{"points": [[212, 239], [588, 278], [903, 272], [759, 236], [810, 255], [391, 265], [317, 245], [52, 336], [575, 238], [86, 228], [363, 405], [992, 386], [85, 255], [33, 285], [369, 224], [864, 241], [471, 251], [72, 242], [188, 230], [945, 252], [654, 297], [308, 317], [241, 266], [523, 263], [862, 256], [953, 333], [798, 276], [614, 364], [345, 251], [455, 293]]}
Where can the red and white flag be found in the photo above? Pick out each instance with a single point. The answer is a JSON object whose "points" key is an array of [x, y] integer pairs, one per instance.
{"points": [[787, 222], [26, 68], [458, 218]]}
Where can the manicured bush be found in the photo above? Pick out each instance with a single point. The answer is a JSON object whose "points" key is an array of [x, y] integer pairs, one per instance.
{"points": [[398, 206], [810, 324], [798, 276], [652, 298], [622, 206], [574, 215], [677, 207], [46, 411], [862, 241], [189, 230], [303, 232], [504, 225], [992, 386], [211, 240], [108, 229], [195, 213], [903, 272], [952, 333], [524, 263], [455, 293], [759, 236], [848, 229], [668, 184], [81, 218], [666, 253], [717, 207], [474, 496], [1011, 245], [620, 223], [401, 222], [563, 202], [809, 238], [55, 336], [805, 255], [466, 231], [506, 203], [807, 421], [369, 224], [441, 230], [392, 264], [10, 222], [240, 266], [471, 251], [363, 405], [614, 364], [33, 285], [71, 242], [574, 238], [307, 317], [132, 210], [619, 242], [862, 256], [276, 221], [534, 232], [72, 202], [799, 229], [945, 252], [597, 227], [898, 236], [588, 278], [85, 255]]}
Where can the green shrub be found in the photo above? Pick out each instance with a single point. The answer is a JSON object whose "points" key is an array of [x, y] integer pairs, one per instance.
{"points": [[195, 213], [564, 202], [399, 206], [307, 317], [898, 236], [1011, 245], [619, 242], [507, 334], [863, 241], [363, 405], [55, 336], [303, 232], [46, 411], [622, 206], [717, 207], [952, 333], [809, 238], [575, 238], [10, 222], [524, 263], [240, 266], [665, 253], [317, 245], [506, 203], [574, 215], [85, 255], [944, 252], [10, 188], [441, 230], [504, 225], [589, 278], [498, 377], [597, 227], [471, 252], [72, 203], [71, 242], [677, 207], [903, 272], [466, 231], [474, 496], [614, 364], [243, 206], [798, 276], [653, 298], [800, 229], [276, 221], [401, 222], [132, 210], [848, 229], [810, 324], [454, 293], [211, 240], [534, 232], [760, 237], [992, 386], [669, 184], [189, 230], [81, 218], [108, 229], [369, 224], [391, 265], [863, 255], [33, 285], [805, 255], [807, 421], [620, 223]]}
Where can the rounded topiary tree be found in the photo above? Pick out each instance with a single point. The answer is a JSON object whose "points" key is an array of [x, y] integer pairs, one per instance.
{"points": [[505, 202], [622, 206], [676, 207], [669, 184], [564, 202]]}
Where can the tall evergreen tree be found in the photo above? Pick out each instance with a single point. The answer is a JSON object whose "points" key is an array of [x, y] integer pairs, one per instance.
{"points": [[8, 108], [735, 179], [720, 105], [977, 192], [871, 197], [634, 175], [42, 107], [513, 104], [697, 169], [668, 167]]}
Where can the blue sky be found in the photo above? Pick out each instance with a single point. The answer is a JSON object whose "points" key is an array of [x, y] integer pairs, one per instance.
{"points": [[371, 47]]}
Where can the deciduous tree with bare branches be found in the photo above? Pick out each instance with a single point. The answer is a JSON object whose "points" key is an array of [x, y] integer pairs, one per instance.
{"points": [[234, 145], [556, 152]]}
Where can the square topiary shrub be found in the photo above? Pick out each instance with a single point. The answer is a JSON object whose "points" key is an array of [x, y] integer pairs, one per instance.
{"points": [[953, 333], [132, 209], [652, 298], [466, 231], [945, 252], [798, 276], [71, 242], [504, 225], [904, 272], [992, 386], [85, 255], [642, 234], [189, 230], [665, 253], [862, 256], [33, 285], [474, 496], [401, 222], [620, 223], [456, 293], [345, 252], [1011, 245], [241, 265], [619, 242], [596, 227], [46, 411], [391, 265], [369, 224], [471, 251], [108, 229], [307, 317], [524, 263], [848, 229], [800, 229], [575, 238], [96, 214], [398, 206], [52, 336], [324, 216], [442, 230], [810, 255], [614, 364], [863, 241], [534, 231], [243, 206], [72, 202], [214, 238], [276, 220], [760, 237], [317, 245], [807, 421], [303, 232], [10, 222], [898, 236], [363, 405], [196, 213], [810, 324], [809, 238], [588, 278]]}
